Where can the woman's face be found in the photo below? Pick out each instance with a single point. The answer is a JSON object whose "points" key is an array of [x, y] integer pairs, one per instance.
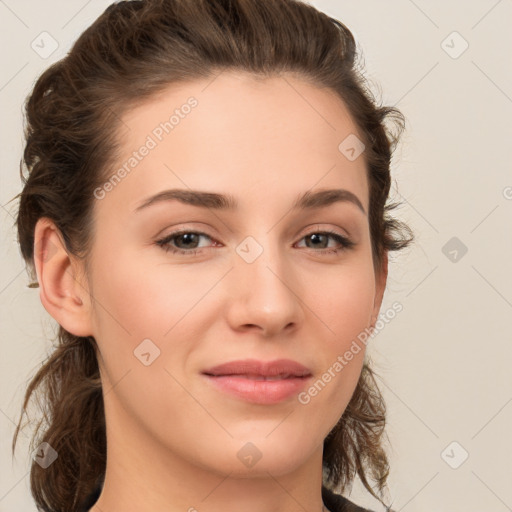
{"points": [[258, 280]]}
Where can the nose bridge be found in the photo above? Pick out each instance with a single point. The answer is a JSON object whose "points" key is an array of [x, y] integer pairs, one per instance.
{"points": [[263, 285]]}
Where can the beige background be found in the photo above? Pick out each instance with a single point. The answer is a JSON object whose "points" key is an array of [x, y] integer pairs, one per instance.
{"points": [[445, 359]]}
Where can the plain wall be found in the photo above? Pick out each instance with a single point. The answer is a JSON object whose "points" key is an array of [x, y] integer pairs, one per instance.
{"points": [[445, 358]]}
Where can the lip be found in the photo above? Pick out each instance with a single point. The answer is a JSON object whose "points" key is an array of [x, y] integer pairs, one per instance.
{"points": [[245, 379]]}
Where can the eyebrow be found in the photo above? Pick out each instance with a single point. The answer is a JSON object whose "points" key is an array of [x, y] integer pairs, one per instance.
{"points": [[307, 201]]}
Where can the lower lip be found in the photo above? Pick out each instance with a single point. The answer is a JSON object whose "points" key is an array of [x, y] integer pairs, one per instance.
{"points": [[259, 391]]}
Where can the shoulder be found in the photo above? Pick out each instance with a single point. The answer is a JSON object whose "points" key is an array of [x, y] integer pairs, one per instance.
{"points": [[337, 503]]}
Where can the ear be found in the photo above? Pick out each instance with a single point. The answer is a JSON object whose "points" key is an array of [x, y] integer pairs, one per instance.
{"points": [[381, 277], [62, 287]]}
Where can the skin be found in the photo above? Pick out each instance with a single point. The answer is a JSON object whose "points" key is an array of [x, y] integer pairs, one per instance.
{"points": [[172, 439]]}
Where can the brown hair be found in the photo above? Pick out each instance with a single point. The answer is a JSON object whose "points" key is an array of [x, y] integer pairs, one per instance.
{"points": [[132, 51]]}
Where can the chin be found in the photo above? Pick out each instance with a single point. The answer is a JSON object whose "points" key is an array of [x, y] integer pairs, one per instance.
{"points": [[260, 456]]}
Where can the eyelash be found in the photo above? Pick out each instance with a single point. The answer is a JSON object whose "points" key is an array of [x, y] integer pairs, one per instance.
{"points": [[345, 243]]}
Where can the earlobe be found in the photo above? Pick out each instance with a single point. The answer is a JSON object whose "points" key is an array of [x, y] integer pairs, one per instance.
{"points": [[61, 290]]}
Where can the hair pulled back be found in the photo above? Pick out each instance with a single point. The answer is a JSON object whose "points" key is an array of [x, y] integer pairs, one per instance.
{"points": [[134, 50]]}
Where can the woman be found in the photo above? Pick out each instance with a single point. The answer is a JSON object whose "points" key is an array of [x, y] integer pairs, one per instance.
{"points": [[204, 209]]}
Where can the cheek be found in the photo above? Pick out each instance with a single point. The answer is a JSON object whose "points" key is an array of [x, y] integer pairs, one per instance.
{"points": [[344, 307], [144, 299], [137, 301], [140, 300], [342, 300]]}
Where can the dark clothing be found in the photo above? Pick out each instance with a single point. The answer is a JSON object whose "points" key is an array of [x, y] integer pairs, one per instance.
{"points": [[338, 503], [334, 502], [90, 500]]}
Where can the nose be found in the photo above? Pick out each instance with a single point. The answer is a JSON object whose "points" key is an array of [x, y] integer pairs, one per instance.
{"points": [[265, 295]]}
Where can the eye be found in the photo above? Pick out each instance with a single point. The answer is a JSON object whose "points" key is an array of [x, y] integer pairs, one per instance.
{"points": [[318, 238], [188, 239], [187, 242]]}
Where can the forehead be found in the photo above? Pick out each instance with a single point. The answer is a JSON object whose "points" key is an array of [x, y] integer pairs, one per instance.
{"points": [[283, 104], [241, 132]]}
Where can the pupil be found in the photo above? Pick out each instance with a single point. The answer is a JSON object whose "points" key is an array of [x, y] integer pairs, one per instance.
{"points": [[315, 236], [188, 236]]}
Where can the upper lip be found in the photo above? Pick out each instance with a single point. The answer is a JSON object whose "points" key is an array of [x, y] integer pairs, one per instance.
{"points": [[281, 367]]}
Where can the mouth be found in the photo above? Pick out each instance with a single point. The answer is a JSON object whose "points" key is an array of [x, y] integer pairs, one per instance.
{"points": [[259, 382], [250, 376]]}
